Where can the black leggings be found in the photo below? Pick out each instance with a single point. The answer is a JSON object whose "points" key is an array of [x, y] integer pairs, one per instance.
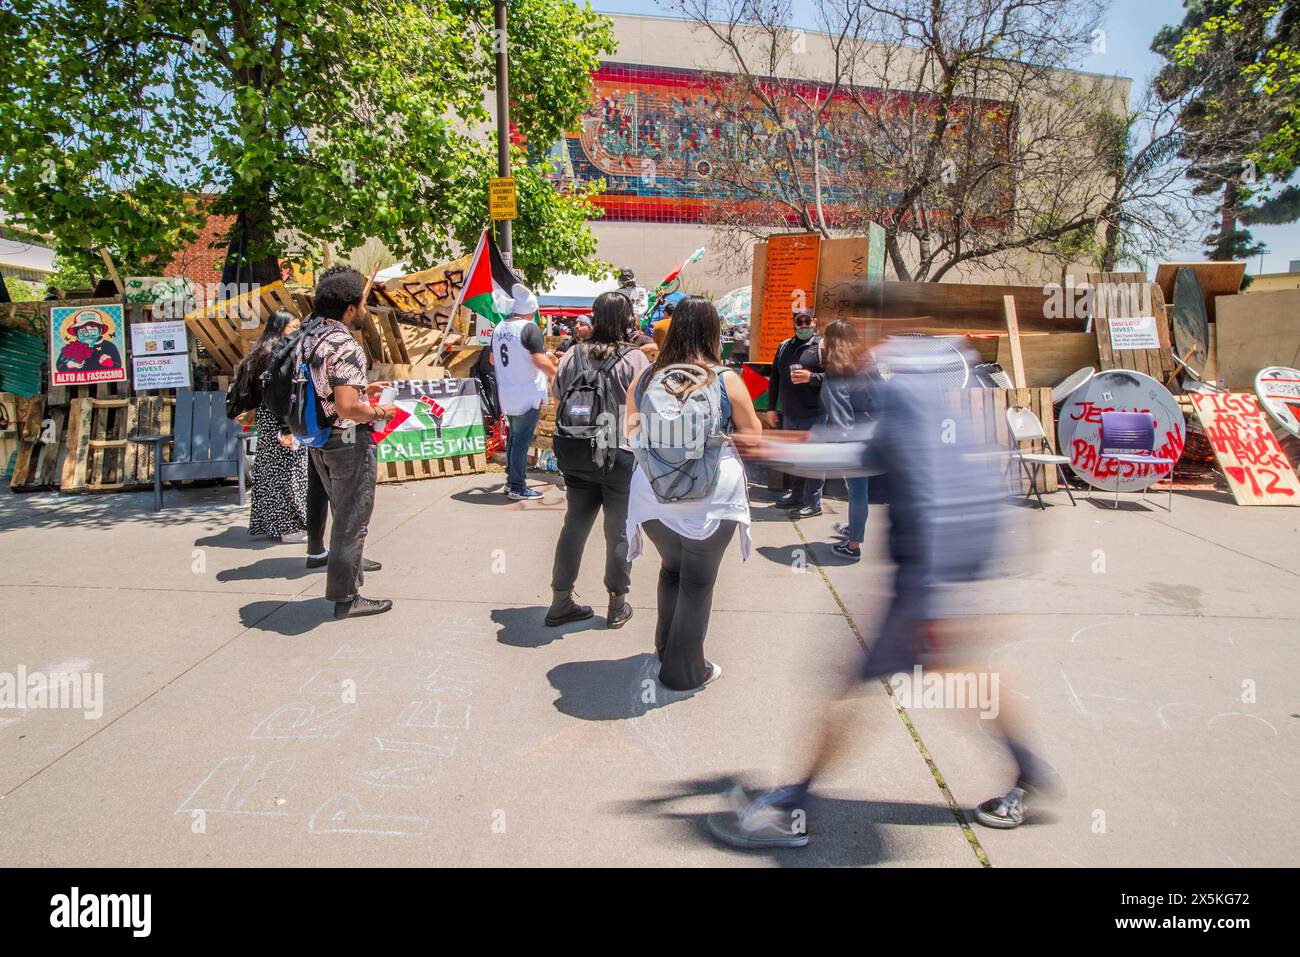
{"points": [[318, 506], [686, 580]]}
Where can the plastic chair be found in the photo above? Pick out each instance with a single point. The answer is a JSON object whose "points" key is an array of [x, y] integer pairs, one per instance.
{"points": [[1130, 438], [1025, 427]]}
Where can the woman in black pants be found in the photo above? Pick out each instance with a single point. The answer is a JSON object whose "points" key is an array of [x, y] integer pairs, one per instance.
{"points": [[692, 536], [590, 488]]}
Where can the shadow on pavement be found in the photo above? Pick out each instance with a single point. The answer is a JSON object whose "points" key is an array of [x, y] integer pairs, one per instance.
{"points": [[612, 690], [286, 567], [236, 537], [524, 627], [842, 832], [288, 618]]}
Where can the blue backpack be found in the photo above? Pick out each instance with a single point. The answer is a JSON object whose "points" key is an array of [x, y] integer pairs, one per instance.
{"points": [[287, 390]]}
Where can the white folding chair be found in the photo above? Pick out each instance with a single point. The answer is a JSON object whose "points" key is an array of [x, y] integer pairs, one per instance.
{"points": [[1025, 427]]}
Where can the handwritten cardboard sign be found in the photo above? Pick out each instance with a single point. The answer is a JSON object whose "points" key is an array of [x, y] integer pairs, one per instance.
{"points": [[789, 286], [1246, 449]]}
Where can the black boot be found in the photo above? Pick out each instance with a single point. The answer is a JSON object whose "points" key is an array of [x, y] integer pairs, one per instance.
{"points": [[564, 609], [619, 611]]}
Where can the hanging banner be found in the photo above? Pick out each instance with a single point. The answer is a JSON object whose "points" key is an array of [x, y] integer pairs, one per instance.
{"points": [[437, 419], [87, 344]]}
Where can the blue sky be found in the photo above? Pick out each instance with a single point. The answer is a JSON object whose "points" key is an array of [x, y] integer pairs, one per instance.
{"points": [[1130, 25]]}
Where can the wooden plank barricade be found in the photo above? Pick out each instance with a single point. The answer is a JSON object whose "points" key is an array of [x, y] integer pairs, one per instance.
{"points": [[986, 410]]}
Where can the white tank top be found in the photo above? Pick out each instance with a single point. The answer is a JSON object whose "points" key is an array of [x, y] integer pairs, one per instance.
{"points": [[521, 386]]}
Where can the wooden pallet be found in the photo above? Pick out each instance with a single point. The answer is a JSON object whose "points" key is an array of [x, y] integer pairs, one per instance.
{"points": [[37, 463], [410, 471], [227, 329], [99, 456], [987, 411], [1156, 363]]}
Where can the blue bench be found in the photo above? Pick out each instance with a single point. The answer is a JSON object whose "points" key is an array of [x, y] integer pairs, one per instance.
{"points": [[205, 444]]}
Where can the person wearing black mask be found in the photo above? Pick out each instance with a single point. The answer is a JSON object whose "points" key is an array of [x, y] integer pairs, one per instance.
{"points": [[796, 382]]}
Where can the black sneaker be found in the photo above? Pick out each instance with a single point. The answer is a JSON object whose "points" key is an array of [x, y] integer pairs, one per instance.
{"points": [[785, 501], [806, 511], [360, 607]]}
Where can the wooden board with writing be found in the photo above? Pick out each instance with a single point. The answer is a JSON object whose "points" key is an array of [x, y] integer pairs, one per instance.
{"points": [[1257, 469], [789, 283]]}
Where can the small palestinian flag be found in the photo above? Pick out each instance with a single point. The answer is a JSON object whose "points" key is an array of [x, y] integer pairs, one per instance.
{"points": [[487, 281], [661, 289]]}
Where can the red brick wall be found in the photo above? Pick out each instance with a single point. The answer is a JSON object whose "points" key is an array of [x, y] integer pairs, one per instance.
{"points": [[201, 260]]}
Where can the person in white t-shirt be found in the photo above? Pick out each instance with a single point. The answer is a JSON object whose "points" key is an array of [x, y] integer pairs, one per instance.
{"points": [[523, 373]]}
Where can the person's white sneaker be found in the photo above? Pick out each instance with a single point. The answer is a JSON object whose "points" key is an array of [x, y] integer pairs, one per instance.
{"points": [[755, 824]]}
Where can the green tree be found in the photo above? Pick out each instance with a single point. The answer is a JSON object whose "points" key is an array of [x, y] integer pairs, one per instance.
{"points": [[22, 291], [316, 120], [1233, 66]]}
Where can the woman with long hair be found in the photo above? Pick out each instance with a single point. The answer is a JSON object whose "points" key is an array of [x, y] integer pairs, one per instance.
{"points": [[591, 486], [280, 466], [843, 353], [692, 536]]}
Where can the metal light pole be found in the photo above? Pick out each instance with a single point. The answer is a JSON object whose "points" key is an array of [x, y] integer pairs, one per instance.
{"points": [[503, 118]]}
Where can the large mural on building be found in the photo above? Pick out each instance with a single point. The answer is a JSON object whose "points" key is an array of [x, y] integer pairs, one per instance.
{"points": [[654, 135]]}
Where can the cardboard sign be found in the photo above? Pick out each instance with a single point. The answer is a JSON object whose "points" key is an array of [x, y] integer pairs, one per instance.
{"points": [[87, 345], [160, 372], [430, 291], [789, 286], [437, 419], [1246, 449], [1136, 332]]}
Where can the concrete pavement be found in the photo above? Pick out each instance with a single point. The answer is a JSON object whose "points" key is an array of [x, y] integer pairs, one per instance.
{"points": [[1155, 653]]}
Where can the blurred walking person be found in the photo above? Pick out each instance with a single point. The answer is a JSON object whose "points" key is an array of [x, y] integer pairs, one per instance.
{"points": [[688, 495], [946, 508], [595, 458]]}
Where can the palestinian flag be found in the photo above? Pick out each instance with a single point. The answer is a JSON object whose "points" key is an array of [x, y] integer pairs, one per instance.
{"points": [[488, 281], [662, 288]]}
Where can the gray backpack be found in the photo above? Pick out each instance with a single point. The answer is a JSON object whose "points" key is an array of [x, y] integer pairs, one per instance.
{"points": [[682, 431]]}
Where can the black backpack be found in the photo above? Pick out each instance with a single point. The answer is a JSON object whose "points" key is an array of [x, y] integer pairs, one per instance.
{"points": [[588, 409], [279, 378]]}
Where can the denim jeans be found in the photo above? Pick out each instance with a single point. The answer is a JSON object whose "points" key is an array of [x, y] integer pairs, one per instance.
{"points": [[347, 468], [522, 429], [857, 507]]}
